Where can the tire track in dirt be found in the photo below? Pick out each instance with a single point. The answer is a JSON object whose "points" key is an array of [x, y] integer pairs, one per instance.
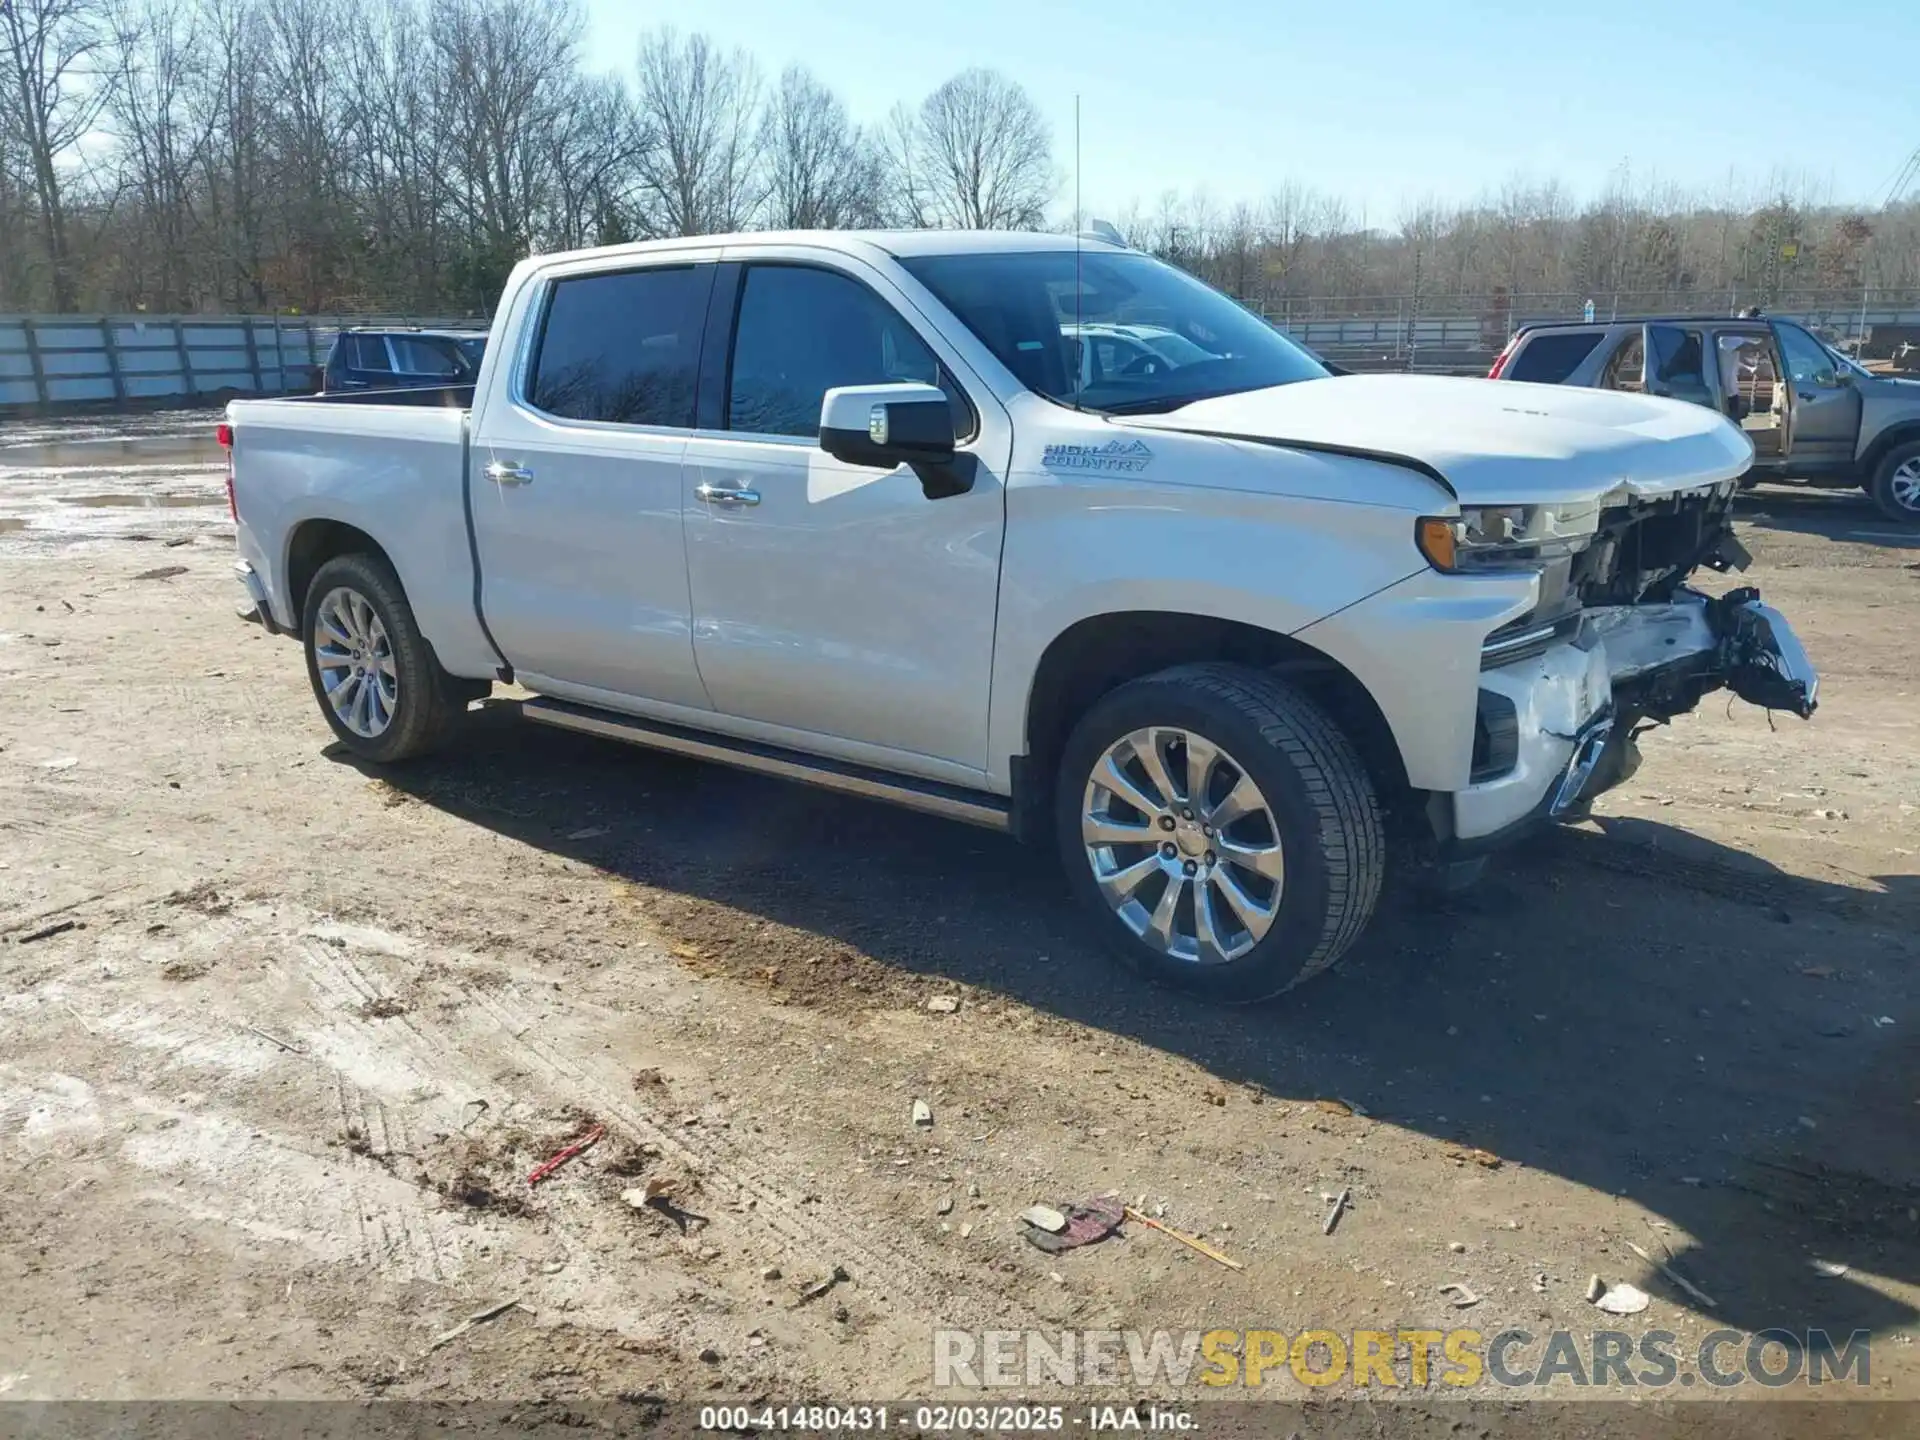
{"points": [[399, 1053]]}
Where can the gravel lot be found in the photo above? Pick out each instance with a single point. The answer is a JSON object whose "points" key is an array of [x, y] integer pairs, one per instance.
{"points": [[268, 1103]]}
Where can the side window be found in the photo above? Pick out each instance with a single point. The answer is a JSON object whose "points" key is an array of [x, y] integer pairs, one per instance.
{"points": [[369, 352], [1807, 359], [1679, 360], [1628, 365], [416, 356], [1550, 358], [804, 331], [622, 347]]}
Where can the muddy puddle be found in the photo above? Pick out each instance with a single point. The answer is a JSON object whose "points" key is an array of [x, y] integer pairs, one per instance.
{"points": [[109, 450], [140, 502]]}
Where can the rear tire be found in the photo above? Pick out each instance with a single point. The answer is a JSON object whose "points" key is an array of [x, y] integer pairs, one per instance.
{"points": [[380, 688], [1251, 854], [1895, 486]]}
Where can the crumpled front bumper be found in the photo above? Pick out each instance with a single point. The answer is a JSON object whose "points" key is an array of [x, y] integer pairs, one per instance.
{"points": [[1555, 728]]}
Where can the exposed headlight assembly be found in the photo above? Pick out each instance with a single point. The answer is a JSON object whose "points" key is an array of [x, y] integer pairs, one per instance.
{"points": [[1506, 537]]}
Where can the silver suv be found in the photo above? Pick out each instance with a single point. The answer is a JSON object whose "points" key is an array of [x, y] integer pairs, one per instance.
{"points": [[1812, 413]]}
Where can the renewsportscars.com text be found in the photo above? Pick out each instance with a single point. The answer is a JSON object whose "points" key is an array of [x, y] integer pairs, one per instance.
{"points": [[1388, 1359]]}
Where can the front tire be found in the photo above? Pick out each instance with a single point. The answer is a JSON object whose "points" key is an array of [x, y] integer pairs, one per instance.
{"points": [[380, 688], [1895, 486], [1221, 828]]}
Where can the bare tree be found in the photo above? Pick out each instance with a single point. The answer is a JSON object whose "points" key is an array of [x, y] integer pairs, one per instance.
{"points": [[596, 148], [905, 199], [156, 60], [700, 174], [821, 174], [50, 95], [232, 100], [505, 75], [986, 154]]}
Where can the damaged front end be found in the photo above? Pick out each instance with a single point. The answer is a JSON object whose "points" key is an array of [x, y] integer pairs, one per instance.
{"points": [[1618, 642]]}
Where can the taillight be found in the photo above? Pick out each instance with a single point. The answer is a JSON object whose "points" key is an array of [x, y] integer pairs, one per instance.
{"points": [[223, 432], [1500, 360]]}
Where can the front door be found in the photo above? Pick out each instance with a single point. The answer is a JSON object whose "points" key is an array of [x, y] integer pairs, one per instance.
{"points": [[834, 600], [1823, 422], [576, 477]]}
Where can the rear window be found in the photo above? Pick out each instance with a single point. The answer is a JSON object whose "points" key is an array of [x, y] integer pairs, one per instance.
{"points": [[368, 352], [622, 347], [1548, 359], [417, 356]]}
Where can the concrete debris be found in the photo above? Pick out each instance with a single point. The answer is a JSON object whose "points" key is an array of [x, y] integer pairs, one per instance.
{"points": [[1623, 1299], [1044, 1217]]}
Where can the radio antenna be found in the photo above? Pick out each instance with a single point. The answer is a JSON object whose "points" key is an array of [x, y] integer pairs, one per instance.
{"points": [[1079, 350]]}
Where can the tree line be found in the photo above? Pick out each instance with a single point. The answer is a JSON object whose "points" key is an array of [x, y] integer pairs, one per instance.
{"points": [[402, 155]]}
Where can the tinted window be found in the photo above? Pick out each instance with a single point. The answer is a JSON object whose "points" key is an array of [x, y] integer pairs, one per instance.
{"points": [[1677, 356], [368, 352], [801, 333], [622, 347], [1030, 308], [415, 356], [1548, 359]]}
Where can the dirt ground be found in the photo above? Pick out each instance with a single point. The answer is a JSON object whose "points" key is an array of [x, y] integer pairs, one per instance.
{"points": [[281, 1038]]}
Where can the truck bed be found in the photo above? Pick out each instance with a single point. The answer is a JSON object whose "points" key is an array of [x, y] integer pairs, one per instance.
{"points": [[391, 464]]}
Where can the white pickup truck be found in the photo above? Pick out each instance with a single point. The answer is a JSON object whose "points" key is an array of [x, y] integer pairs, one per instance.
{"points": [[844, 508]]}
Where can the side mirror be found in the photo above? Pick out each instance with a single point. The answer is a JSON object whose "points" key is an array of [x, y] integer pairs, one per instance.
{"points": [[888, 425]]}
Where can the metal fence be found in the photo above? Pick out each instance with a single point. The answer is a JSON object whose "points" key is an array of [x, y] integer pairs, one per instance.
{"points": [[1465, 333], [49, 361]]}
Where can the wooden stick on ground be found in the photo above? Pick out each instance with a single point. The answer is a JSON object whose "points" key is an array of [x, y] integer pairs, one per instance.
{"points": [[1200, 1245], [1672, 1274]]}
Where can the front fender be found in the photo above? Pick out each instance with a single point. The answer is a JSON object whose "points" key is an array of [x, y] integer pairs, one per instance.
{"points": [[1082, 546]]}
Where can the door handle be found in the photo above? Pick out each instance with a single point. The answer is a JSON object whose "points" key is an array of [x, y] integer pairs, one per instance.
{"points": [[726, 494], [502, 472]]}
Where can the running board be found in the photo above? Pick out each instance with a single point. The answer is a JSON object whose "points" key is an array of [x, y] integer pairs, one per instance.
{"points": [[951, 802]]}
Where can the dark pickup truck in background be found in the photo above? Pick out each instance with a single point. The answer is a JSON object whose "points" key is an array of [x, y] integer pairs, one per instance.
{"points": [[1813, 414], [402, 359]]}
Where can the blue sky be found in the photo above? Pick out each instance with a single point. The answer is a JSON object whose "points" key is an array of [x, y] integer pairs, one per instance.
{"points": [[1380, 101]]}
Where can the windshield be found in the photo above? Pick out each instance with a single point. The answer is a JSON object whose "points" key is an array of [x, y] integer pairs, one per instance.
{"points": [[474, 350], [1193, 342]]}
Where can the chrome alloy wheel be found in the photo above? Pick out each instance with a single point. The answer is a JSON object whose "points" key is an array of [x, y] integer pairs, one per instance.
{"points": [[355, 659], [1183, 845], [1905, 486]]}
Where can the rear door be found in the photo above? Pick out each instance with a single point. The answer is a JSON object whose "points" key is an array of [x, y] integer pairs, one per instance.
{"points": [[1823, 418], [576, 482], [830, 599]]}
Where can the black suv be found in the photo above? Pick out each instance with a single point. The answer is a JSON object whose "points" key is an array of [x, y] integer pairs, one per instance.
{"points": [[402, 359]]}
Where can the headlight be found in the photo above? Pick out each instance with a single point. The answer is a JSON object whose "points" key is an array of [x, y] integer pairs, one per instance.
{"points": [[1506, 537]]}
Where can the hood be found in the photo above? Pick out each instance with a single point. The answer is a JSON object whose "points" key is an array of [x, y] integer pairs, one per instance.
{"points": [[1492, 441]]}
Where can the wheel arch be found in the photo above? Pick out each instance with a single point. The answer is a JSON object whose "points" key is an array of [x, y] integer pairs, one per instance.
{"points": [[1901, 432], [1096, 655], [312, 543]]}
